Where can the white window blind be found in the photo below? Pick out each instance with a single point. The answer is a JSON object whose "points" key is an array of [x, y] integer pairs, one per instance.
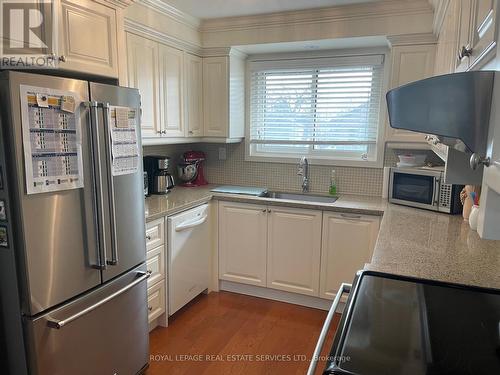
{"points": [[326, 103]]}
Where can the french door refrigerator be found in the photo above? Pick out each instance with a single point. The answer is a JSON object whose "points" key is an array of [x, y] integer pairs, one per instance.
{"points": [[72, 232]]}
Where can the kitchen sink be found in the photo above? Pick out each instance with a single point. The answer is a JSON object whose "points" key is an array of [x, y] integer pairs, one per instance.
{"points": [[300, 197]]}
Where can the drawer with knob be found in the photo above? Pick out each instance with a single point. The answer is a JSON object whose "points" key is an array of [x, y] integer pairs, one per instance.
{"points": [[155, 234], [156, 301], [155, 263]]}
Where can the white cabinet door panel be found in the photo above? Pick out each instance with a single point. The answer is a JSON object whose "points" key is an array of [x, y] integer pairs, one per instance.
{"points": [[242, 243], [155, 263], [216, 96], [171, 90], [194, 95], [87, 38], [142, 60], [347, 245], [409, 64], [294, 246]]}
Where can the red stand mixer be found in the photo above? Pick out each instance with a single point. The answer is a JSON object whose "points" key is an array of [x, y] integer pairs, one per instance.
{"points": [[190, 169]]}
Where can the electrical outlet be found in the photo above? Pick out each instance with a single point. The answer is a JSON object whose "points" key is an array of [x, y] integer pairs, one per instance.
{"points": [[222, 153]]}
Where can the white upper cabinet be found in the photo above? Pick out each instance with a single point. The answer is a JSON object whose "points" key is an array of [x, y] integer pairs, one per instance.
{"points": [[88, 38], [242, 243], [409, 63], [484, 30], [193, 68], [447, 46], [294, 247], [216, 96], [142, 56], [157, 71], [171, 93], [477, 33], [223, 97], [347, 244]]}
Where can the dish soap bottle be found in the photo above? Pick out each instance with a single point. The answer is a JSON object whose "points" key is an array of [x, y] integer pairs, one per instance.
{"points": [[333, 185]]}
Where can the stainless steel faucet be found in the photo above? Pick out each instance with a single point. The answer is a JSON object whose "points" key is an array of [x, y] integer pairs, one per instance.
{"points": [[303, 170]]}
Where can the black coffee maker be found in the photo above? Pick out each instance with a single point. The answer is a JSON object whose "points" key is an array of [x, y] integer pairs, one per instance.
{"points": [[160, 181]]}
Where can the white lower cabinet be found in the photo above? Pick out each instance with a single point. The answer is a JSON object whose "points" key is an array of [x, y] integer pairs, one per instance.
{"points": [[294, 247], [347, 244], [155, 265], [296, 250], [156, 301], [243, 243]]}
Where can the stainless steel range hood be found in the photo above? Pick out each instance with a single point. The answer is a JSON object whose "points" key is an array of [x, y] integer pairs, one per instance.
{"points": [[455, 107]]}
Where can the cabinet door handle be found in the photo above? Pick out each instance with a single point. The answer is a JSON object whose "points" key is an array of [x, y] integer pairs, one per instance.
{"points": [[350, 216], [268, 210], [62, 58], [465, 51], [264, 210], [150, 308], [148, 237], [476, 161]]}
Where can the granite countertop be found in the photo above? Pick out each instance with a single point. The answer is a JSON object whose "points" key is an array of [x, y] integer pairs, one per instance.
{"points": [[345, 203], [436, 246], [182, 198], [411, 242], [178, 200]]}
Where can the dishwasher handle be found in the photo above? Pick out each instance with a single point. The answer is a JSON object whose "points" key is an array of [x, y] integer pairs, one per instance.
{"points": [[191, 223]]}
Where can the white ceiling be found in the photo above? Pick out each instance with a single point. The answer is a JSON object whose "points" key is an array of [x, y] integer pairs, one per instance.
{"points": [[227, 8]]}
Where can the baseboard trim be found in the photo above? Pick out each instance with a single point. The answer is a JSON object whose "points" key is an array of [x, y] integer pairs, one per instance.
{"points": [[276, 295]]}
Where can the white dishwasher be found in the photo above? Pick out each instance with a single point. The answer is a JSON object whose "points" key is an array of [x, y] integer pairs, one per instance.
{"points": [[188, 256]]}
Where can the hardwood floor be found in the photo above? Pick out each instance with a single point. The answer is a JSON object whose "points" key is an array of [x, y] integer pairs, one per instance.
{"points": [[228, 333]]}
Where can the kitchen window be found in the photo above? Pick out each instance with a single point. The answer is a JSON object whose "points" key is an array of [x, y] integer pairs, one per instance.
{"points": [[328, 109]]}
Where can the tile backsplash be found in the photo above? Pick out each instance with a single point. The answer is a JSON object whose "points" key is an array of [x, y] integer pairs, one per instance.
{"points": [[278, 176]]}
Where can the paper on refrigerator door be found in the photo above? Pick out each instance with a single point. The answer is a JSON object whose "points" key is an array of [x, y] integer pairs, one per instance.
{"points": [[51, 140], [123, 122]]}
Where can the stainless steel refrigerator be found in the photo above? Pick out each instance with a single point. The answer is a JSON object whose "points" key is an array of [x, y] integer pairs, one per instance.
{"points": [[72, 250]]}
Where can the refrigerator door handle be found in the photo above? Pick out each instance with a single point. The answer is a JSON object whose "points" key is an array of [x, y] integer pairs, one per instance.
{"points": [[109, 174], [98, 214], [58, 324]]}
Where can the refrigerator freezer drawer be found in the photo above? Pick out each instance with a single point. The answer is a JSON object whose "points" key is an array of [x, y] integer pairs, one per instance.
{"points": [[104, 332]]}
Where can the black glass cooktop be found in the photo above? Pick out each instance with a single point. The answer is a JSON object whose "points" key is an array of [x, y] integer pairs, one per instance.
{"points": [[400, 326]]}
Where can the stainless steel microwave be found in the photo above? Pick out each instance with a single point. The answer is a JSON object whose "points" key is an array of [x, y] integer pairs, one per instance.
{"points": [[424, 188]]}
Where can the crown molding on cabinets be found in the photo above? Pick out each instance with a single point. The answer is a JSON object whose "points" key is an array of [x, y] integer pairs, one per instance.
{"points": [[216, 51], [320, 54], [121, 4], [169, 11], [412, 39], [319, 15], [223, 51], [440, 7], [158, 36]]}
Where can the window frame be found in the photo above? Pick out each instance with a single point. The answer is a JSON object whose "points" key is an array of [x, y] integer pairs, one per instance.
{"points": [[318, 157]]}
